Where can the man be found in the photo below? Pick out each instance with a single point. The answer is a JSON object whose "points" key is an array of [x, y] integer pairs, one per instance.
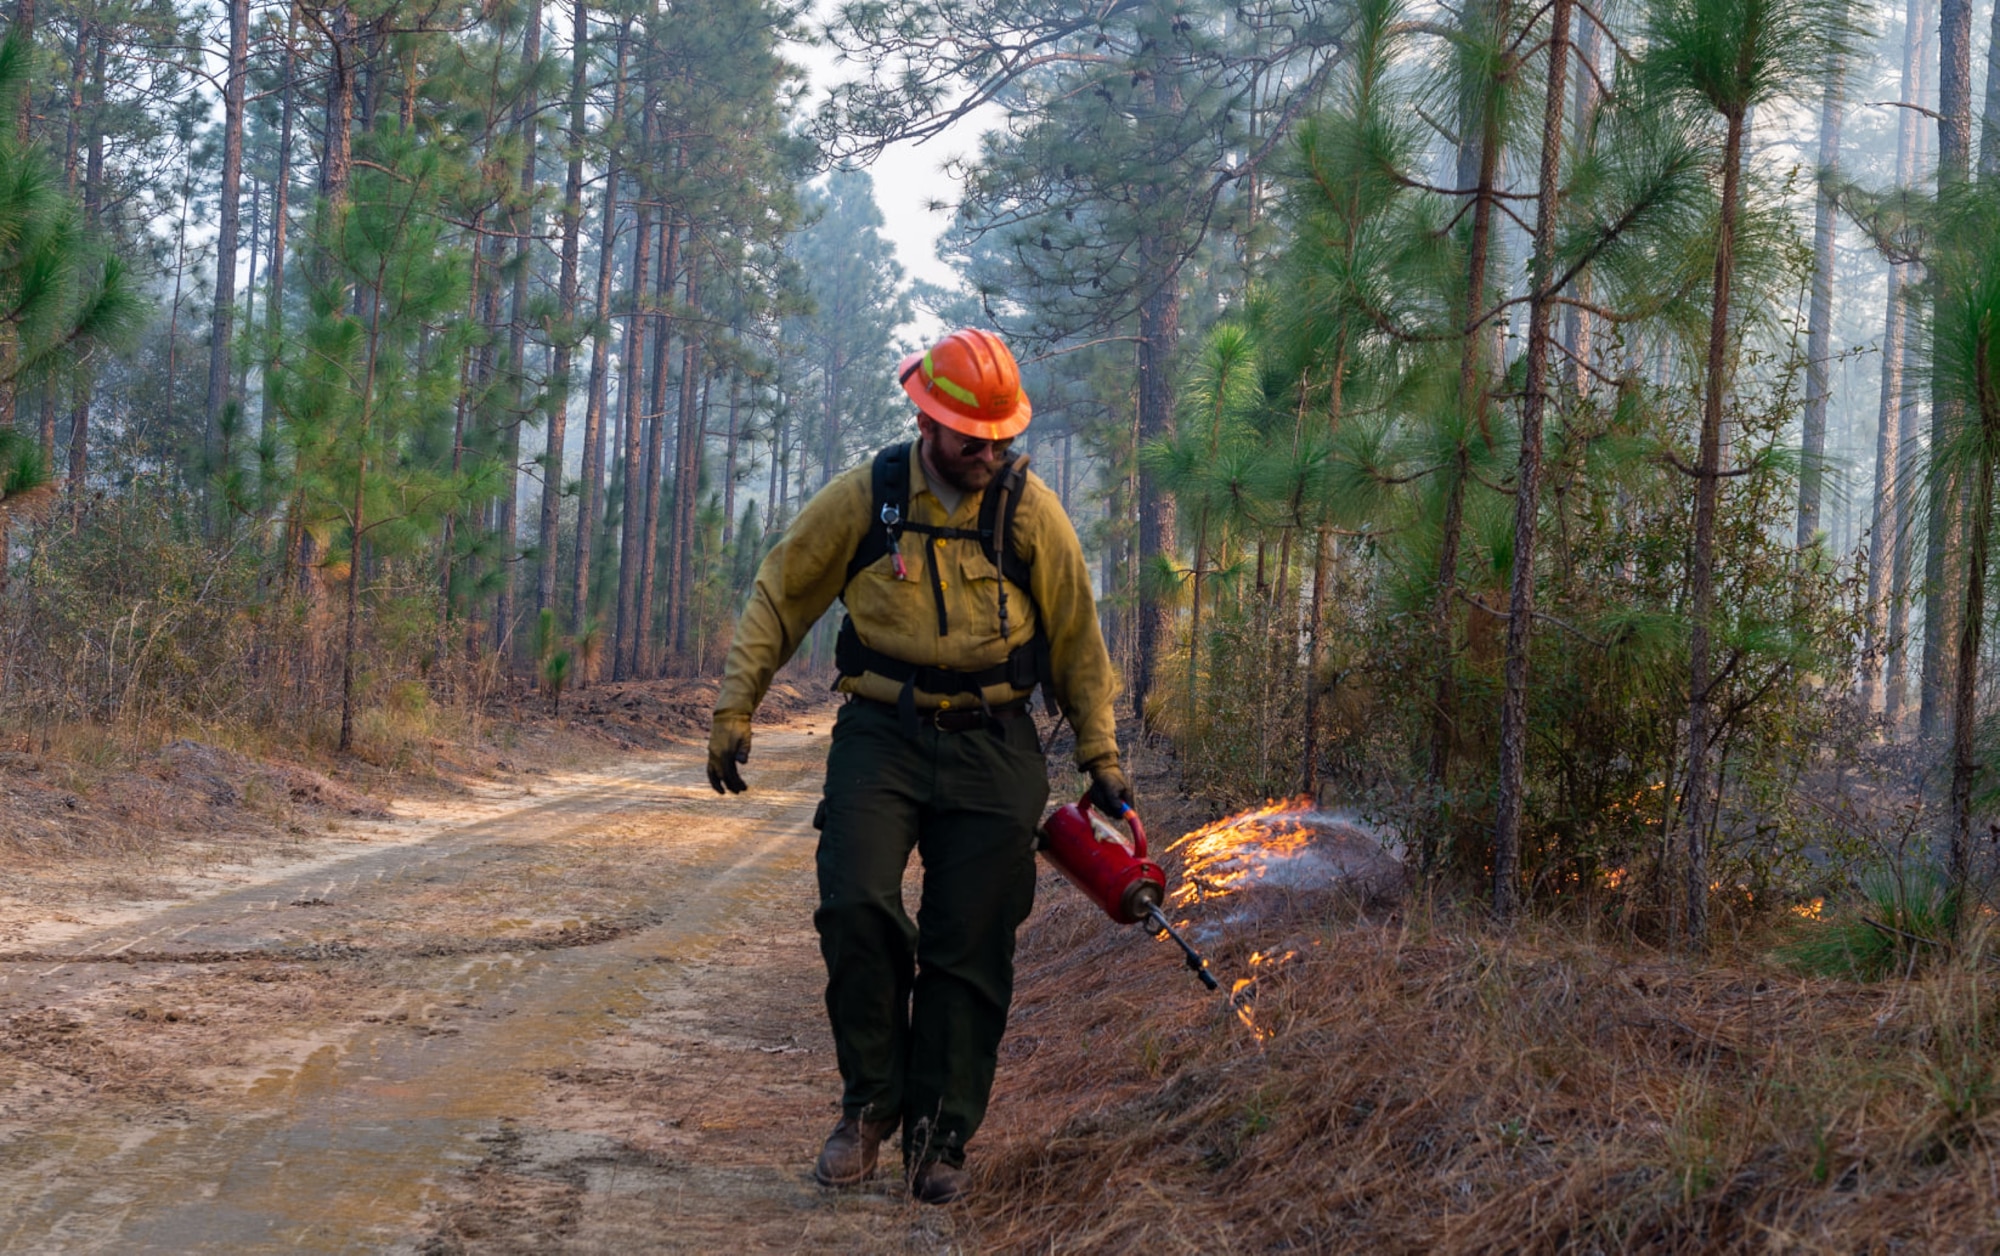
{"points": [[964, 585]]}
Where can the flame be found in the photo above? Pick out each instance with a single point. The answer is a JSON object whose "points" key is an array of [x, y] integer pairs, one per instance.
{"points": [[1223, 856], [1809, 911], [1615, 879], [1243, 994], [1243, 1001], [1246, 1014]]}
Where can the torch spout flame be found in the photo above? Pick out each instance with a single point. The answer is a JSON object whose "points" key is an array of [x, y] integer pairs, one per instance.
{"points": [[1195, 962]]}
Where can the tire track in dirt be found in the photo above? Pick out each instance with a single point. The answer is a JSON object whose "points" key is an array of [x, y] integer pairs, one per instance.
{"points": [[466, 1055]]}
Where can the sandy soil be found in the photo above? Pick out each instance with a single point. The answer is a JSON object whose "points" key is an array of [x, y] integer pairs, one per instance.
{"points": [[579, 1012]]}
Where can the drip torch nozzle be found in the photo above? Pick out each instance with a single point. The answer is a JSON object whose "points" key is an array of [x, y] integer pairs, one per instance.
{"points": [[1196, 964]]}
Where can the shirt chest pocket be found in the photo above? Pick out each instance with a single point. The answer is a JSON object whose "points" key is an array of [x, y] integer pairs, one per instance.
{"points": [[974, 600], [973, 565], [890, 613], [958, 582]]}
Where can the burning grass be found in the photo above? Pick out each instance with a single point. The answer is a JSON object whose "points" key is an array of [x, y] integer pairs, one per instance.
{"points": [[1392, 1083]]}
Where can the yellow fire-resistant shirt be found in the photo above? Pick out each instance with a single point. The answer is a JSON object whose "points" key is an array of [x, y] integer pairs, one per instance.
{"points": [[804, 573]]}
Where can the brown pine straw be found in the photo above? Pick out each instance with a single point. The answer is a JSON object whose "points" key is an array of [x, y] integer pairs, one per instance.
{"points": [[1440, 1086]]}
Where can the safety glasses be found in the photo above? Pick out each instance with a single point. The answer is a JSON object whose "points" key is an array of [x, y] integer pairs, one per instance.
{"points": [[969, 447]]}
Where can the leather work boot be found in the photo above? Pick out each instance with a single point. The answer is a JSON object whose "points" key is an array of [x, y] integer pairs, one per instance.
{"points": [[936, 1182], [850, 1151]]}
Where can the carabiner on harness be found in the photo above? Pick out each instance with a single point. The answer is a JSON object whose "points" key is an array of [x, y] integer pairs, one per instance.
{"points": [[892, 517]]}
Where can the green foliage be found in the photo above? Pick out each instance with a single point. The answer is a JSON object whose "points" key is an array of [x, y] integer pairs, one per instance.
{"points": [[61, 293], [365, 394], [1350, 438], [847, 399], [135, 617], [1732, 55], [1903, 916], [23, 474]]}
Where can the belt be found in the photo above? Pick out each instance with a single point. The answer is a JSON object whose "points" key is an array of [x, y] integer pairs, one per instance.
{"points": [[963, 720]]}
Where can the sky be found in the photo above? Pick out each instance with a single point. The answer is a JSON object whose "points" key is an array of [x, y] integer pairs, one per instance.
{"points": [[908, 177]]}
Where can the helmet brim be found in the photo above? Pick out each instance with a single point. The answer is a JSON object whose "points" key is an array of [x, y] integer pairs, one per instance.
{"points": [[978, 429]]}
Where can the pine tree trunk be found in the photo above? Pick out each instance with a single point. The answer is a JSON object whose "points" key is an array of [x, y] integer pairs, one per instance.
{"points": [[174, 307], [78, 71], [274, 309], [773, 498], [1579, 325], [93, 212], [625, 656], [521, 222], [1159, 336], [1512, 785], [1159, 333], [1472, 392], [1883, 647], [24, 110], [228, 216], [688, 448], [1699, 806], [1194, 581], [347, 60], [1944, 558], [337, 136], [787, 439], [1903, 559], [1965, 759], [655, 644], [729, 460], [358, 529], [1882, 515], [590, 503], [1315, 658], [832, 375], [1819, 320], [550, 534], [1068, 470], [241, 385], [467, 376]]}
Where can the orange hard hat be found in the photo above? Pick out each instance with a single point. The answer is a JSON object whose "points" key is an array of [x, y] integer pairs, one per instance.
{"points": [[970, 383]]}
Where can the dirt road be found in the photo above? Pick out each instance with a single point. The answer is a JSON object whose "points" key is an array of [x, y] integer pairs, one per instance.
{"points": [[588, 1021]]}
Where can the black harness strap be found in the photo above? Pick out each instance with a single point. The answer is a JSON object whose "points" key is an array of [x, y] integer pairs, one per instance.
{"points": [[890, 477]]}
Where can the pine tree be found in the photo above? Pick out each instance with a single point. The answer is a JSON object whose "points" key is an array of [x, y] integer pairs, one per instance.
{"points": [[1723, 56], [365, 393], [853, 281], [1126, 144]]}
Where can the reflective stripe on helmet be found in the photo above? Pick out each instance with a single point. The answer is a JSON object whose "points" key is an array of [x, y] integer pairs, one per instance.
{"points": [[963, 396]]}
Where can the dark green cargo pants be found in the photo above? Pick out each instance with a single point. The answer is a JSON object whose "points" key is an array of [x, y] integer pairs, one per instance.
{"points": [[918, 1009]]}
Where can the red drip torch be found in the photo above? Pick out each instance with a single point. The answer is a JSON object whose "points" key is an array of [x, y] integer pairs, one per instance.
{"points": [[1113, 870]]}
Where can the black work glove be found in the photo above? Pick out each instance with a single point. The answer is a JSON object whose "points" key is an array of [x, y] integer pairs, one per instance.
{"points": [[1110, 792], [728, 745]]}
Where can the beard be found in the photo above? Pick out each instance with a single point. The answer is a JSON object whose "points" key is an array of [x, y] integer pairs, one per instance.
{"points": [[971, 476], [967, 475]]}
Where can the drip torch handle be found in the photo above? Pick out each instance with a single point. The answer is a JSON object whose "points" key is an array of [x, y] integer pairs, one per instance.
{"points": [[1196, 964], [1131, 818]]}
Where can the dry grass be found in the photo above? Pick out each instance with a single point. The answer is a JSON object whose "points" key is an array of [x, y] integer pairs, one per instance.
{"points": [[1432, 1084]]}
